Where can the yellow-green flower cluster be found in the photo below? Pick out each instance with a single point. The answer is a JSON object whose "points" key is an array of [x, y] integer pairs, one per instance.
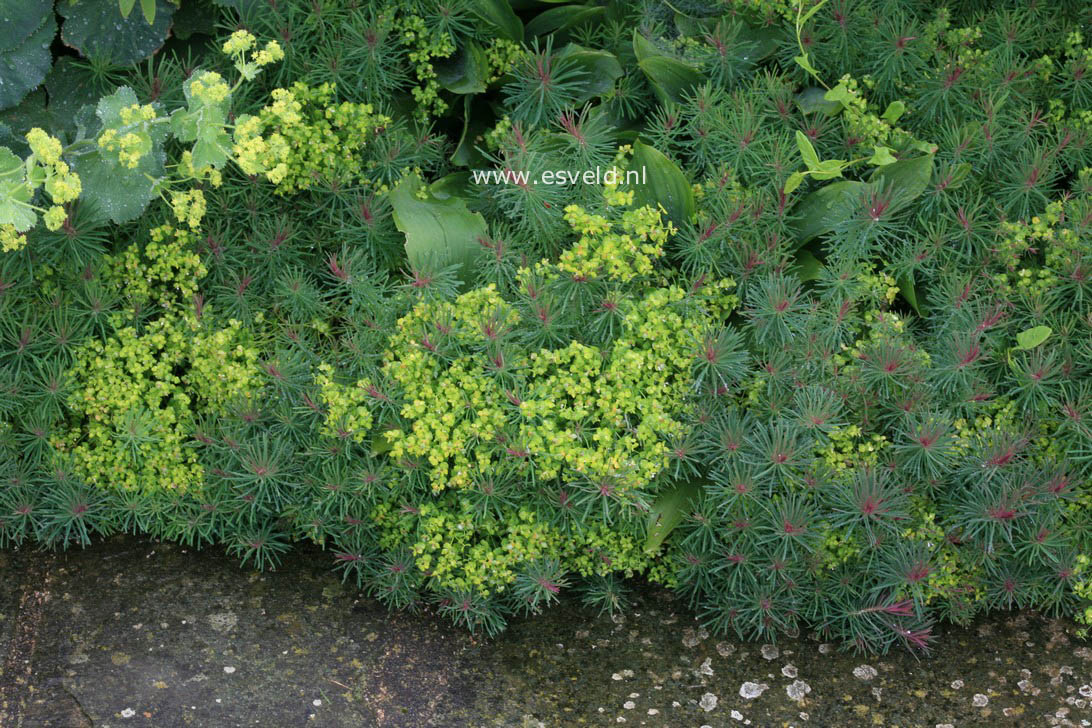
{"points": [[347, 413], [189, 207], [45, 167], [241, 41], [164, 273], [501, 54], [426, 46], [621, 251], [138, 409], [303, 136], [131, 141]]}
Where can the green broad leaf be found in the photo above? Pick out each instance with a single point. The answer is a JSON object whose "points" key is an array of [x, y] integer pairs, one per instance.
{"points": [[1033, 337], [499, 15], [818, 212], [909, 291], [811, 101], [894, 110], [907, 177], [601, 70], [663, 183], [670, 78], [19, 19], [24, 66], [147, 7], [839, 95], [795, 180], [806, 266], [15, 193], [442, 230], [804, 63], [561, 19], [126, 7], [109, 107], [70, 87], [829, 169], [882, 157], [115, 192], [668, 511], [466, 72], [456, 184], [807, 151], [96, 30], [478, 118]]}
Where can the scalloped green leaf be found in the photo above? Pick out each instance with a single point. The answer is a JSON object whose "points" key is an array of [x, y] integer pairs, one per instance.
{"points": [[15, 194], [25, 66], [96, 29], [19, 19]]}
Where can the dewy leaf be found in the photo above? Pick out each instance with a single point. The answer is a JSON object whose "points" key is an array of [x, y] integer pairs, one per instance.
{"points": [[807, 151], [662, 183], [441, 230], [19, 19], [499, 14], [25, 66], [1033, 337], [96, 29], [667, 512]]}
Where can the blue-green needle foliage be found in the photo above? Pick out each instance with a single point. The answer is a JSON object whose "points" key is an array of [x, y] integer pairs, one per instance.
{"points": [[827, 366]]}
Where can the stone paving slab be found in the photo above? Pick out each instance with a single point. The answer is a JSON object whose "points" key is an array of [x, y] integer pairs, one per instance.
{"points": [[132, 633]]}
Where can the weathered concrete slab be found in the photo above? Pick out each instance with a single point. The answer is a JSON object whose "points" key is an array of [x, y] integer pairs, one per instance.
{"points": [[130, 633]]}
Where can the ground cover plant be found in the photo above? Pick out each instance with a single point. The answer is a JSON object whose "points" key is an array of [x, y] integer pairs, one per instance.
{"points": [[815, 352]]}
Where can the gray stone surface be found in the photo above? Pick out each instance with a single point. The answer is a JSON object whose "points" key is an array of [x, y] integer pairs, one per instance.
{"points": [[130, 633]]}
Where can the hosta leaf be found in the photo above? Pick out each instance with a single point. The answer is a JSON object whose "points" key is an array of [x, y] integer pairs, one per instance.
{"points": [[668, 511], [806, 266], [467, 72], [1033, 337], [670, 78], [499, 14], [663, 183], [908, 177], [561, 19], [909, 291], [21, 18], [817, 213], [25, 66], [441, 230], [96, 29], [601, 69]]}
